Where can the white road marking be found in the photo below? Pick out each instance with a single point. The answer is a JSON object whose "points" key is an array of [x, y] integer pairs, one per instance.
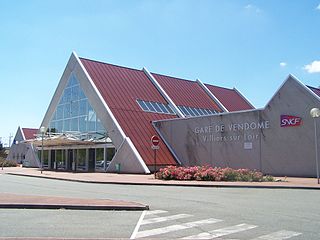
{"points": [[157, 231], [136, 229], [278, 235], [222, 232], [155, 212], [163, 219]]}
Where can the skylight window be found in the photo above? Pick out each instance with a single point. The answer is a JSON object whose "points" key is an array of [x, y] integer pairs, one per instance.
{"points": [[190, 111], [156, 107]]}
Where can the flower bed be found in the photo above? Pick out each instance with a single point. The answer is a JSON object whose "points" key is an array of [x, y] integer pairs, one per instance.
{"points": [[206, 173]]}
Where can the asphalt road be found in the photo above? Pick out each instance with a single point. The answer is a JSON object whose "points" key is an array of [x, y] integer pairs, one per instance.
{"points": [[175, 212]]}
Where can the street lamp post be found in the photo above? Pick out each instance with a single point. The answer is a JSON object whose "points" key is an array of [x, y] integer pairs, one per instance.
{"points": [[42, 131], [315, 113]]}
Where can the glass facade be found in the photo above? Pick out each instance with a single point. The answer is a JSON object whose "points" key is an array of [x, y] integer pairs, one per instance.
{"points": [[74, 112], [75, 115]]}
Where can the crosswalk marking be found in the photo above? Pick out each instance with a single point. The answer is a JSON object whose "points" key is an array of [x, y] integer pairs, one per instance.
{"points": [[155, 212], [214, 234], [280, 235], [136, 229], [172, 228], [163, 219], [222, 232]]}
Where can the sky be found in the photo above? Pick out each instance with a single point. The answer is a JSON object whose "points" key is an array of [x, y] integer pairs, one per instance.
{"points": [[250, 45]]}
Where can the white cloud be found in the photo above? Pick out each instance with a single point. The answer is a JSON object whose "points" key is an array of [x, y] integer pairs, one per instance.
{"points": [[283, 64], [251, 7], [318, 7], [313, 67]]}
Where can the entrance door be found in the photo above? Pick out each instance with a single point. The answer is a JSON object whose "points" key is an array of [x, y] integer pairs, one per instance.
{"points": [[92, 158]]}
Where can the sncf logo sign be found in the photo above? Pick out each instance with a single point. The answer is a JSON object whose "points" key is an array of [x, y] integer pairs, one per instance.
{"points": [[290, 121]]}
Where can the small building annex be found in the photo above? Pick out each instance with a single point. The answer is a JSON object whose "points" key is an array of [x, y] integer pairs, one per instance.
{"points": [[100, 116], [21, 151]]}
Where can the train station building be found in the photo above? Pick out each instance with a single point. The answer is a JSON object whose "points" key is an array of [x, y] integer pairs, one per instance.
{"points": [[102, 117]]}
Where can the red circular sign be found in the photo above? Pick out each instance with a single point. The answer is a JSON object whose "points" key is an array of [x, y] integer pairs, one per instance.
{"points": [[155, 140]]}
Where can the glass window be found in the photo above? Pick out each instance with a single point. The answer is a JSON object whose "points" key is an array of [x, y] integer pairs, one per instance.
{"points": [[74, 113], [100, 128], [45, 162], [143, 105], [66, 110], [163, 108], [81, 159], [73, 81], [59, 125], [74, 109], [185, 111], [213, 111], [151, 108], [60, 159], [75, 124], [100, 158], [191, 111], [91, 124], [196, 111], [110, 154], [81, 94], [156, 107], [206, 111], [82, 124], [75, 93], [67, 95], [83, 107], [169, 109], [66, 125], [201, 111], [59, 112]]}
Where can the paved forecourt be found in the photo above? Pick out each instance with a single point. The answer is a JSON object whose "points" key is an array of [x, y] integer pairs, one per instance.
{"points": [[140, 179]]}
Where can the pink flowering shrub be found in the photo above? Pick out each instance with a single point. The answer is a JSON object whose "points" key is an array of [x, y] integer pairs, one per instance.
{"points": [[207, 173]]}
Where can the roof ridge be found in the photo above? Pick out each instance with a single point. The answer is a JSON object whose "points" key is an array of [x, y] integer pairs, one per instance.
{"points": [[182, 79], [232, 89], [111, 64]]}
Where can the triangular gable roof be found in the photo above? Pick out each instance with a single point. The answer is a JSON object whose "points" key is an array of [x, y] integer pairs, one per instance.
{"points": [[231, 99], [29, 133], [121, 87], [294, 78]]}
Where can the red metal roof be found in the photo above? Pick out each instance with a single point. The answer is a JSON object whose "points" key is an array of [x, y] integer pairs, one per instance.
{"points": [[29, 133], [121, 87], [315, 90], [186, 93], [230, 98]]}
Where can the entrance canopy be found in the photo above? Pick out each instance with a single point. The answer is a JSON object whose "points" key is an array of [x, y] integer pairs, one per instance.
{"points": [[68, 139]]}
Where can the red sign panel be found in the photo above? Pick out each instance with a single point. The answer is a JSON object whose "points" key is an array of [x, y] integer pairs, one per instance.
{"points": [[155, 140], [290, 121]]}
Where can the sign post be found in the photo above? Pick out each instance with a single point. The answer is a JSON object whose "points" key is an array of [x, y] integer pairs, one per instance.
{"points": [[155, 140]]}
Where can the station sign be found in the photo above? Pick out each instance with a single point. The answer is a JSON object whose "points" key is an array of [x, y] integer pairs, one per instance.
{"points": [[290, 121]]}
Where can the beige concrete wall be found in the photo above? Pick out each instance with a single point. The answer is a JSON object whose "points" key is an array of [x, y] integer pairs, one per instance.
{"points": [[251, 139]]}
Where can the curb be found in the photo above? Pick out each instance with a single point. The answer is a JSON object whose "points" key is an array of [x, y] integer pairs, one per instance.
{"points": [[173, 184], [74, 207]]}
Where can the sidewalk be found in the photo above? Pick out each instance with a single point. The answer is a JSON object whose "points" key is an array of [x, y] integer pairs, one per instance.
{"points": [[140, 179], [8, 200]]}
